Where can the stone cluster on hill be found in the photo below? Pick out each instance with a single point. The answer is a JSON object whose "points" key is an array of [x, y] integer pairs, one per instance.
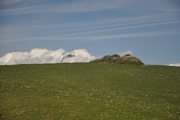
{"points": [[115, 58]]}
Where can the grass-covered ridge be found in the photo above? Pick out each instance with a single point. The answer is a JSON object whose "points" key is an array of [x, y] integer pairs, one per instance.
{"points": [[89, 91]]}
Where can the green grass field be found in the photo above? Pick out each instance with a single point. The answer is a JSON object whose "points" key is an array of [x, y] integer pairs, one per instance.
{"points": [[89, 91]]}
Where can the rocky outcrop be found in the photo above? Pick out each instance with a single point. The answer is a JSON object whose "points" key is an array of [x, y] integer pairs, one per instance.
{"points": [[115, 58]]}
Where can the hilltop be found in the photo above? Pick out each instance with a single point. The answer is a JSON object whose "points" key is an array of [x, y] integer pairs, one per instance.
{"points": [[115, 58]]}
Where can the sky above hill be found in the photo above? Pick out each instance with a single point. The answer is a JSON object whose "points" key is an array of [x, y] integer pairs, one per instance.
{"points": [[150, 29]]}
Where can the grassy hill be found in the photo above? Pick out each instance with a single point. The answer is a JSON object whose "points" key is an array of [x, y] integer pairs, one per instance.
{"points": [[89, 91]]}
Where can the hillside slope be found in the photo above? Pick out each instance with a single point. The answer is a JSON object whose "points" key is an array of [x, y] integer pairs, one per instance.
{"points": [[89, 91]]}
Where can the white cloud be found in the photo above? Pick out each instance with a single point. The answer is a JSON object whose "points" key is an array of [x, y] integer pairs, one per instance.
{"points": [[38, 56], [81, 55], [177, 64], [126, 52]]}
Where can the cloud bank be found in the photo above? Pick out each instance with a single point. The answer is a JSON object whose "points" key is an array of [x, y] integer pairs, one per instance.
{"points": [[39, 56], [177, 64]]}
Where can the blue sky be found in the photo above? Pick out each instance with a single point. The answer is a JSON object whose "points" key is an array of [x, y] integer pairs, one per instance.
{"points": [[149, 28]]}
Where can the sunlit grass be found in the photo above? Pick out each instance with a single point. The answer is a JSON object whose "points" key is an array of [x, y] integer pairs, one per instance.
{"points": [[89, 91]]}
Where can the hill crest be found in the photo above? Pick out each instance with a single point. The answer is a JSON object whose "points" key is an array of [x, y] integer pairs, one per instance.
{"points": [[115, 58]]}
